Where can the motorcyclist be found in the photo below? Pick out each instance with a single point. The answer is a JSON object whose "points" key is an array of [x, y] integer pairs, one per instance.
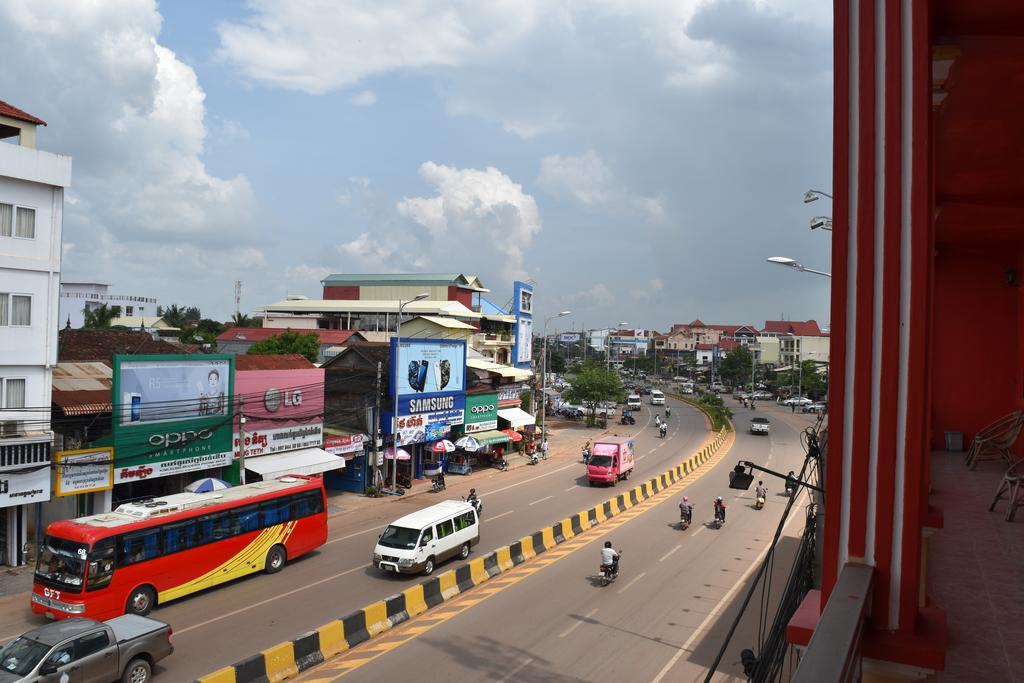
{"points": [[472, 499], [663, 428], [761, 492], [720, 509], [657, 420], [668, 411], [439, 480], [586, 452], [610, 557], [686, 510], [790, 482]]}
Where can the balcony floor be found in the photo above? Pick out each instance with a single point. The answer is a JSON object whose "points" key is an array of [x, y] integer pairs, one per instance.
{"points": [[976, 573]]}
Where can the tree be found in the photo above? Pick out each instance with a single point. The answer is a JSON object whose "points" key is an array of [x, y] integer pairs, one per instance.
{"points": [[173, 315], [307, 345], [592, 384], [735, 368], [99, 318], [242, 320], [557, 361], [205, 332], [193, 315]]}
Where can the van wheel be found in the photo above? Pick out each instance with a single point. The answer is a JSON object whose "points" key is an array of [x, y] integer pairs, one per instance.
{"points": [[140, 601], [464, 552], [428, 568], [139, 671], [275, 560]]}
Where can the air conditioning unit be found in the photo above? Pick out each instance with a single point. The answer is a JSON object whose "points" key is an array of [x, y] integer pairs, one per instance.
{"points": [[12, 428]]}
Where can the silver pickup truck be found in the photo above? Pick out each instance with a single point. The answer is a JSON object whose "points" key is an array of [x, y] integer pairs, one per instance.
{"points": [[81, 650]]}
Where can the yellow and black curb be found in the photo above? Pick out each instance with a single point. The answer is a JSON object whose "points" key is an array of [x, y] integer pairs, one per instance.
{"points": [[285, 660]]}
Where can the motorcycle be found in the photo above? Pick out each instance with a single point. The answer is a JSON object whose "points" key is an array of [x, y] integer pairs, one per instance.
{"points": [[478, 505], [719, 517], [627, 418], [438, 485], [663, 430], [586, 456], [684, 520], [759, 503], [532, 459], [609, 572], [668, 412]]}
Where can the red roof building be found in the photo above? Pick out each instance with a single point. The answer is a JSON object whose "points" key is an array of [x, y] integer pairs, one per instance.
{"points": [[808, 328], [10, 111], [287, 361]]}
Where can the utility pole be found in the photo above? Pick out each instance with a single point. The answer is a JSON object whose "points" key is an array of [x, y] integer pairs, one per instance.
{"points": [[241, 442], [375, 430], [238, 296]]}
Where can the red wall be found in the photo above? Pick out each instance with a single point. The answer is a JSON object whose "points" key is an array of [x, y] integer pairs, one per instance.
{"points": [[463, 296], [341, 292], [976, 371]]}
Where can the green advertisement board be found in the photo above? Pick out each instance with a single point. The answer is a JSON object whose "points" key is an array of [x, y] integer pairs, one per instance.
{"points": [[172, 414], [481, 412]]}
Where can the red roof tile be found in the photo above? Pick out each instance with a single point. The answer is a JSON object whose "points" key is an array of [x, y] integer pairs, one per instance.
{"points": [[103, 345], [799, 328], [287, 361], [255, 334], [10, 111]]}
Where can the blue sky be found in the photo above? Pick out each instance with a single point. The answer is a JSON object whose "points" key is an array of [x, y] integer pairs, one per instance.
{"points": [[639, 160]]}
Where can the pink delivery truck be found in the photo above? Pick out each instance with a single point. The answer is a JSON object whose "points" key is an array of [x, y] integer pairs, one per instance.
{"points": [[611, 459]]}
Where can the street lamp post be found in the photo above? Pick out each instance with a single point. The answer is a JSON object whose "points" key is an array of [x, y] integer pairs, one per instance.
{"points": [[394, 390], [544, 379], [796, 265], [814, 195]]}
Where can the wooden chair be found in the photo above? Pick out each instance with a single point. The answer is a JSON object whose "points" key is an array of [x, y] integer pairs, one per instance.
{"points": [[1012, 487], [996, 440]]}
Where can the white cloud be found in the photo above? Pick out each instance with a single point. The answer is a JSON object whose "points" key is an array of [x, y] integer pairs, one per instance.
{"points": [[588, 180], [364, 98], [132, 115]]}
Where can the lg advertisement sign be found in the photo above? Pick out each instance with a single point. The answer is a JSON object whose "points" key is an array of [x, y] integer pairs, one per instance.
{"points": [[522, 308]]}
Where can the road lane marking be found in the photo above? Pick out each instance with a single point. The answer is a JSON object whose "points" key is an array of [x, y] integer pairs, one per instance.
{"points": [[352, 535], [578, 623], [699, 530], [269, 600], [491, 519], [522, 665], [542, 500], [635, 579], [574, 486], [666, 555], [725, 601], [527, 481]]}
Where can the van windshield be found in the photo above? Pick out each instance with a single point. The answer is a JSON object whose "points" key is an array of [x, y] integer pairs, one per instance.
{"points": [[399, 537], [601, 460]]}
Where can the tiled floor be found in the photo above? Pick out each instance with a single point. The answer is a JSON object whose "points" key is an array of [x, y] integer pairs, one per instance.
{"points": [[976, 573]]}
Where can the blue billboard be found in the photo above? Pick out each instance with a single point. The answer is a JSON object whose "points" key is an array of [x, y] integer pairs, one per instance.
{"points": [[430, 375], [522, 309]]}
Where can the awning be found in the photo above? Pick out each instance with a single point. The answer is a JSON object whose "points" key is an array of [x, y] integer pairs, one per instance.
{"points": [[302, 461], [491, 437], [517, 417]]}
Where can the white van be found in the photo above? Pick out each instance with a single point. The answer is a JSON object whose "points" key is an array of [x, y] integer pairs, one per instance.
{"points": [[633, 402], [657, 398], [418, 541]]}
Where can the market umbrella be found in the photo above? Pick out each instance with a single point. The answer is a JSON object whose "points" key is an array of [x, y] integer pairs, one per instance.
{"points": [[513, 435], [206, 485], [442, 446], [402, 454], [468, 443]]}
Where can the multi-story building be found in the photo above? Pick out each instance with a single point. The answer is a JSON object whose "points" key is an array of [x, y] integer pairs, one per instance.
{"points": [[629, 342], [798, 341], [77, 297], [32, 186]]}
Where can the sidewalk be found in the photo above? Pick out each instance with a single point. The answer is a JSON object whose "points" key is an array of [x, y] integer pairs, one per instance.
{"points": [[565, 438]]}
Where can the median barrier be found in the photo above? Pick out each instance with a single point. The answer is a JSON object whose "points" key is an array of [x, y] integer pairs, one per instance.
{"points": [[287, 659]]}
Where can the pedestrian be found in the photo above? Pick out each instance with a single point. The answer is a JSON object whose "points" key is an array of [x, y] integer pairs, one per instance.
{"points": [[544, 448], [792, 407]]}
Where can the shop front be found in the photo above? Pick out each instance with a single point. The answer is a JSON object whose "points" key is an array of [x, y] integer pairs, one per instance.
{"points": [[24, 483], [482, 425], [519, 421], [172, 423], [356, 475], [428, 376]]}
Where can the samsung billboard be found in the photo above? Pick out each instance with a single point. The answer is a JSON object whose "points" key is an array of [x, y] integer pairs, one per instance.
{"points": [[430, 375]]}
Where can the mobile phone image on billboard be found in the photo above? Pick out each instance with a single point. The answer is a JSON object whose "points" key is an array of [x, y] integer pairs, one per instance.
{"points": [[136, 407]]}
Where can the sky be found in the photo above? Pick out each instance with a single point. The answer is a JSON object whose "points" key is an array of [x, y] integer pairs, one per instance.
{"points": [[638, 160]]}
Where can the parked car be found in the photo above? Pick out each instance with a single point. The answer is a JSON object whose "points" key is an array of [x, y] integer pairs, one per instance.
{"points": [[797, 401], [686, 389], [86, 651], [759, 425], [816, 407], [763, 396]]}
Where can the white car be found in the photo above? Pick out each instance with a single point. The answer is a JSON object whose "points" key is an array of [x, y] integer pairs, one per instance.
{"points": [[657, 398], [759, 425], [763, 396], [633, 402], [797, 401]]}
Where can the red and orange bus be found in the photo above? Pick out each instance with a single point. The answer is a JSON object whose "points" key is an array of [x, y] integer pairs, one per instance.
{"points": [[156, 550]]}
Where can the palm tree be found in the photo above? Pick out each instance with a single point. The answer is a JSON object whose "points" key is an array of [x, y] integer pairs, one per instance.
{"points": [[99, 318], [242, 320], [174, 316]]}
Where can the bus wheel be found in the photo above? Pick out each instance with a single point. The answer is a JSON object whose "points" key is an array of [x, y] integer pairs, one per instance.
{"points": [[140, 601], [275, 559]]}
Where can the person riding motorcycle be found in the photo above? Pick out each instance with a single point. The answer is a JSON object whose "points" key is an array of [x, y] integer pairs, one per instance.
{"points": [[668, 411], [663, 428], [586, 453], [439, 481], [760, 493], [609, 557], [790, 482], [686, 510], [657, 420], [473, 500], [720, 509]]}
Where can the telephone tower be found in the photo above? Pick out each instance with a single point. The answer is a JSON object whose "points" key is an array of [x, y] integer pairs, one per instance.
{"points": [[238, 296]]}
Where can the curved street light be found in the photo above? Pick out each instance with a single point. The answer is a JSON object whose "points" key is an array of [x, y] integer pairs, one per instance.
{"points": [[823, 222], [796, 265], [394, 380], [814, 195]]}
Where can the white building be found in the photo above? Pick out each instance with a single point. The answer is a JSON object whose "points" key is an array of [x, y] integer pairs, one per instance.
{"points": [[31, 214], [77, 297]]}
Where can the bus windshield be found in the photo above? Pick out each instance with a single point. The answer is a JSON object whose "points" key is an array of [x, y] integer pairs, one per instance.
{"points": [[62, 563], [399, 537]]}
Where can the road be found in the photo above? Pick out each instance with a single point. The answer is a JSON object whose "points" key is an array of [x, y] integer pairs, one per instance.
{"points": [[221, 626], [664, 619]]}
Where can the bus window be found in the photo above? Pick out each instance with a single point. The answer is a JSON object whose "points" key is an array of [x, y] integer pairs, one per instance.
{"points": [[139, 546], [306, 504], [179, 536], [246, 519], [275, 512], [101, 564]]}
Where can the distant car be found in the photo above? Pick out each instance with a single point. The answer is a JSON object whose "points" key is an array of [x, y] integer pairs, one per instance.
{"points": [[759, 425], [647, 389], [797, 401], [763, 396], [686, 389], [816, 407]]}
